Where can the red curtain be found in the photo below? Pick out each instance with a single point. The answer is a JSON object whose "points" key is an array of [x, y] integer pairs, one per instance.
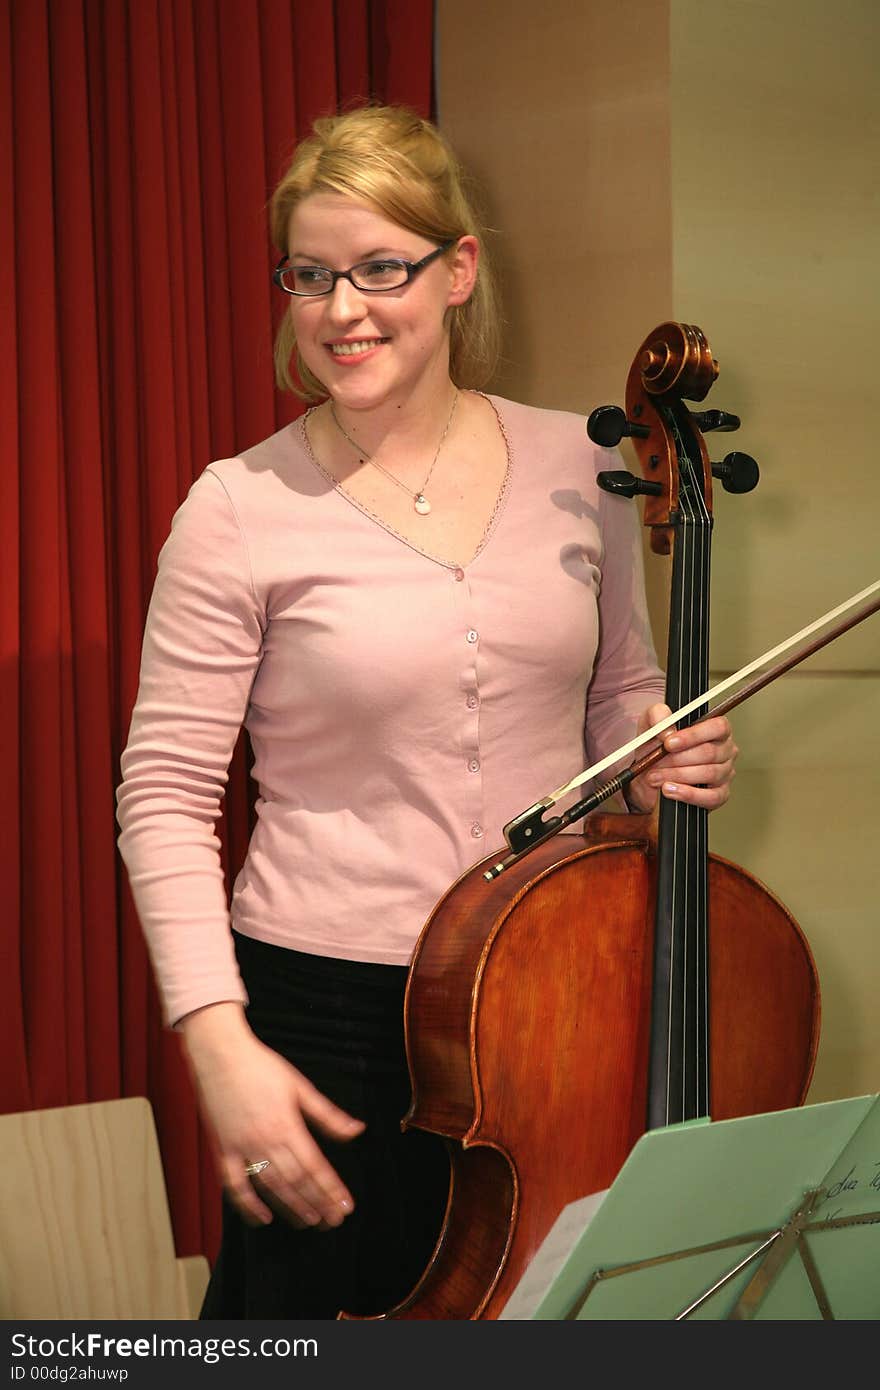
{"points": [[139, 142]]}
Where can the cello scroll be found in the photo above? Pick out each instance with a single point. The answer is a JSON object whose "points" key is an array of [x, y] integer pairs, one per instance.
{"points": [[673, 364]]}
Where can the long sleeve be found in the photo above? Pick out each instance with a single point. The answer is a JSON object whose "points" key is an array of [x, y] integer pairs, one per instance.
{"points": [[201, 649]]}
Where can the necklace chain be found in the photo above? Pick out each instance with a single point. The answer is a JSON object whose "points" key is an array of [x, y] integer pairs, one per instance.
{"points": [[420, 501]]}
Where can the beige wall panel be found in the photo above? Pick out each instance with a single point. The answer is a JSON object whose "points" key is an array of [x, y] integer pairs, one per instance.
{"points": [[775, 201], [803, 820], [775, 235], [561, 112]]}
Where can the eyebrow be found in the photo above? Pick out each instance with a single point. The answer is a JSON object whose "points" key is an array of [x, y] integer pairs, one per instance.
{"points": [[378, 253]]}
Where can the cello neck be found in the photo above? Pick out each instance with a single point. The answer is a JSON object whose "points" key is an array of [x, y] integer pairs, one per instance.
{"points": [[678, 1078]]}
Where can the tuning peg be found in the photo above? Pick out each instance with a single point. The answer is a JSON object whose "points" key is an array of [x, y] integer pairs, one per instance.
{"points": [[707, 420], [607, 425], [738, 472], [627, 484]]}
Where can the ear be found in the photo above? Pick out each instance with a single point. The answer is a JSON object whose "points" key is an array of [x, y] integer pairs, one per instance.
{"points": [[464, 270]]}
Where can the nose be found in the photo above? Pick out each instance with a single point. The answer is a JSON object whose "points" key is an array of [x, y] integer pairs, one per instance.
{"points": [[345, 301]]}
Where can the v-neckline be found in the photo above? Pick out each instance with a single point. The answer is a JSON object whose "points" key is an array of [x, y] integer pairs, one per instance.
{"points": [[391, 530]]}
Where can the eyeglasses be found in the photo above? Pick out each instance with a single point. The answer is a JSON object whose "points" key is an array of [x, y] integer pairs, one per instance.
{"points": [[373, 277]]}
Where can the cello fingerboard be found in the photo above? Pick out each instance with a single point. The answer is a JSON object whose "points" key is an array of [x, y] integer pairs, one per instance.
{"points": [[678, 1085]]}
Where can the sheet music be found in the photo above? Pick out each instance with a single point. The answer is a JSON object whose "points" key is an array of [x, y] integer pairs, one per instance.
{"points": [[551, 1255]]}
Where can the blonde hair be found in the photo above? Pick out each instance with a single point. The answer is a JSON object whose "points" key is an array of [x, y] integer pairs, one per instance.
{"points": [[391, 158]]}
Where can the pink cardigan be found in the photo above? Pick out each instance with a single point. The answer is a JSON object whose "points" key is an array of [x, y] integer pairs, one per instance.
{"points": [[400, 709]]}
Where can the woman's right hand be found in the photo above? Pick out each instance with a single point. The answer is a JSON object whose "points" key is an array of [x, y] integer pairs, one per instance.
{"points": [[257, 1106]]}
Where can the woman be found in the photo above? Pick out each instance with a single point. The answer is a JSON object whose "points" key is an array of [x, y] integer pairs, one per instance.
{"points": [[417, 600]]}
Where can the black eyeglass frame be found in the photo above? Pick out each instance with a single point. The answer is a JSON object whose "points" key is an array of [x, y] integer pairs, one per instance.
{"points": [[411, 268]]}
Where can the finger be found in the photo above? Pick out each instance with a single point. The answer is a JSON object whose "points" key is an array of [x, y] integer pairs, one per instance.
{"points": [[290, 1198], [306, 1195], [654, 714], [691, 774], [709, 731], [712, 755], [306, 1183], [286, 1200], [707, 796], [335, 1122], [243, 1194]]}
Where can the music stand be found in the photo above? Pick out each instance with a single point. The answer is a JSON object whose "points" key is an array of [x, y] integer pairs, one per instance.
{"points": [[773, 1216]]}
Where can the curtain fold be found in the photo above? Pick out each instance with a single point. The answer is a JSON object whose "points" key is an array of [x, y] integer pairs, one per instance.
{"points": [[139, 143]]}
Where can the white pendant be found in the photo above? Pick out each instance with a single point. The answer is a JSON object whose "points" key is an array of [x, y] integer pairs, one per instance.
{"points": [[421, 504]]}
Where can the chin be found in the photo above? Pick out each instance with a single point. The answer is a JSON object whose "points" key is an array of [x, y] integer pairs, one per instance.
{"points": [[366, 394]]}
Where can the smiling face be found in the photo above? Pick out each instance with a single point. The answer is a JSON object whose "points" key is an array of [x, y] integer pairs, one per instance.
{"points": [[369, 349]]}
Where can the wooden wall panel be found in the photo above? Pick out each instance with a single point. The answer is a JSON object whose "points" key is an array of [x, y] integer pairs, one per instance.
{"points": [[561, 112]]}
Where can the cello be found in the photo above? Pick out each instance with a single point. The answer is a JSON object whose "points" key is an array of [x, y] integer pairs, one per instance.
{"points": [[556, 1011]]}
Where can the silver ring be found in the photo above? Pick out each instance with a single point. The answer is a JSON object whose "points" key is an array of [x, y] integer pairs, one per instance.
{"points": [[253, 1169]]}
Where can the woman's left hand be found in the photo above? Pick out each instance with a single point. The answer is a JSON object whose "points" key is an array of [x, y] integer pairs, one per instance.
{"points": [[698, 767]]}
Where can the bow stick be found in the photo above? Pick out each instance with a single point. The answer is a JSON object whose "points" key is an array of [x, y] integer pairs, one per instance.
{"points": [[529, 829]]}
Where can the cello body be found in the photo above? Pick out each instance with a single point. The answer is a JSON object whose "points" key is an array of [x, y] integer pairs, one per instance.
{"points": [[533, 1001]]}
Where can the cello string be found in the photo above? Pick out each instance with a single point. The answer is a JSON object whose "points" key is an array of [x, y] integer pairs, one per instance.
{"points": [[701, 821], [641, 739]]}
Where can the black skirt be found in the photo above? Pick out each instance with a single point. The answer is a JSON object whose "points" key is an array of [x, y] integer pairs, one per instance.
{"points": [[340, 1023]]}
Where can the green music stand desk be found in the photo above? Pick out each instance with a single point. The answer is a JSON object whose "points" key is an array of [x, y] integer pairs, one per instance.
{"points": [[772, 1216]]}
